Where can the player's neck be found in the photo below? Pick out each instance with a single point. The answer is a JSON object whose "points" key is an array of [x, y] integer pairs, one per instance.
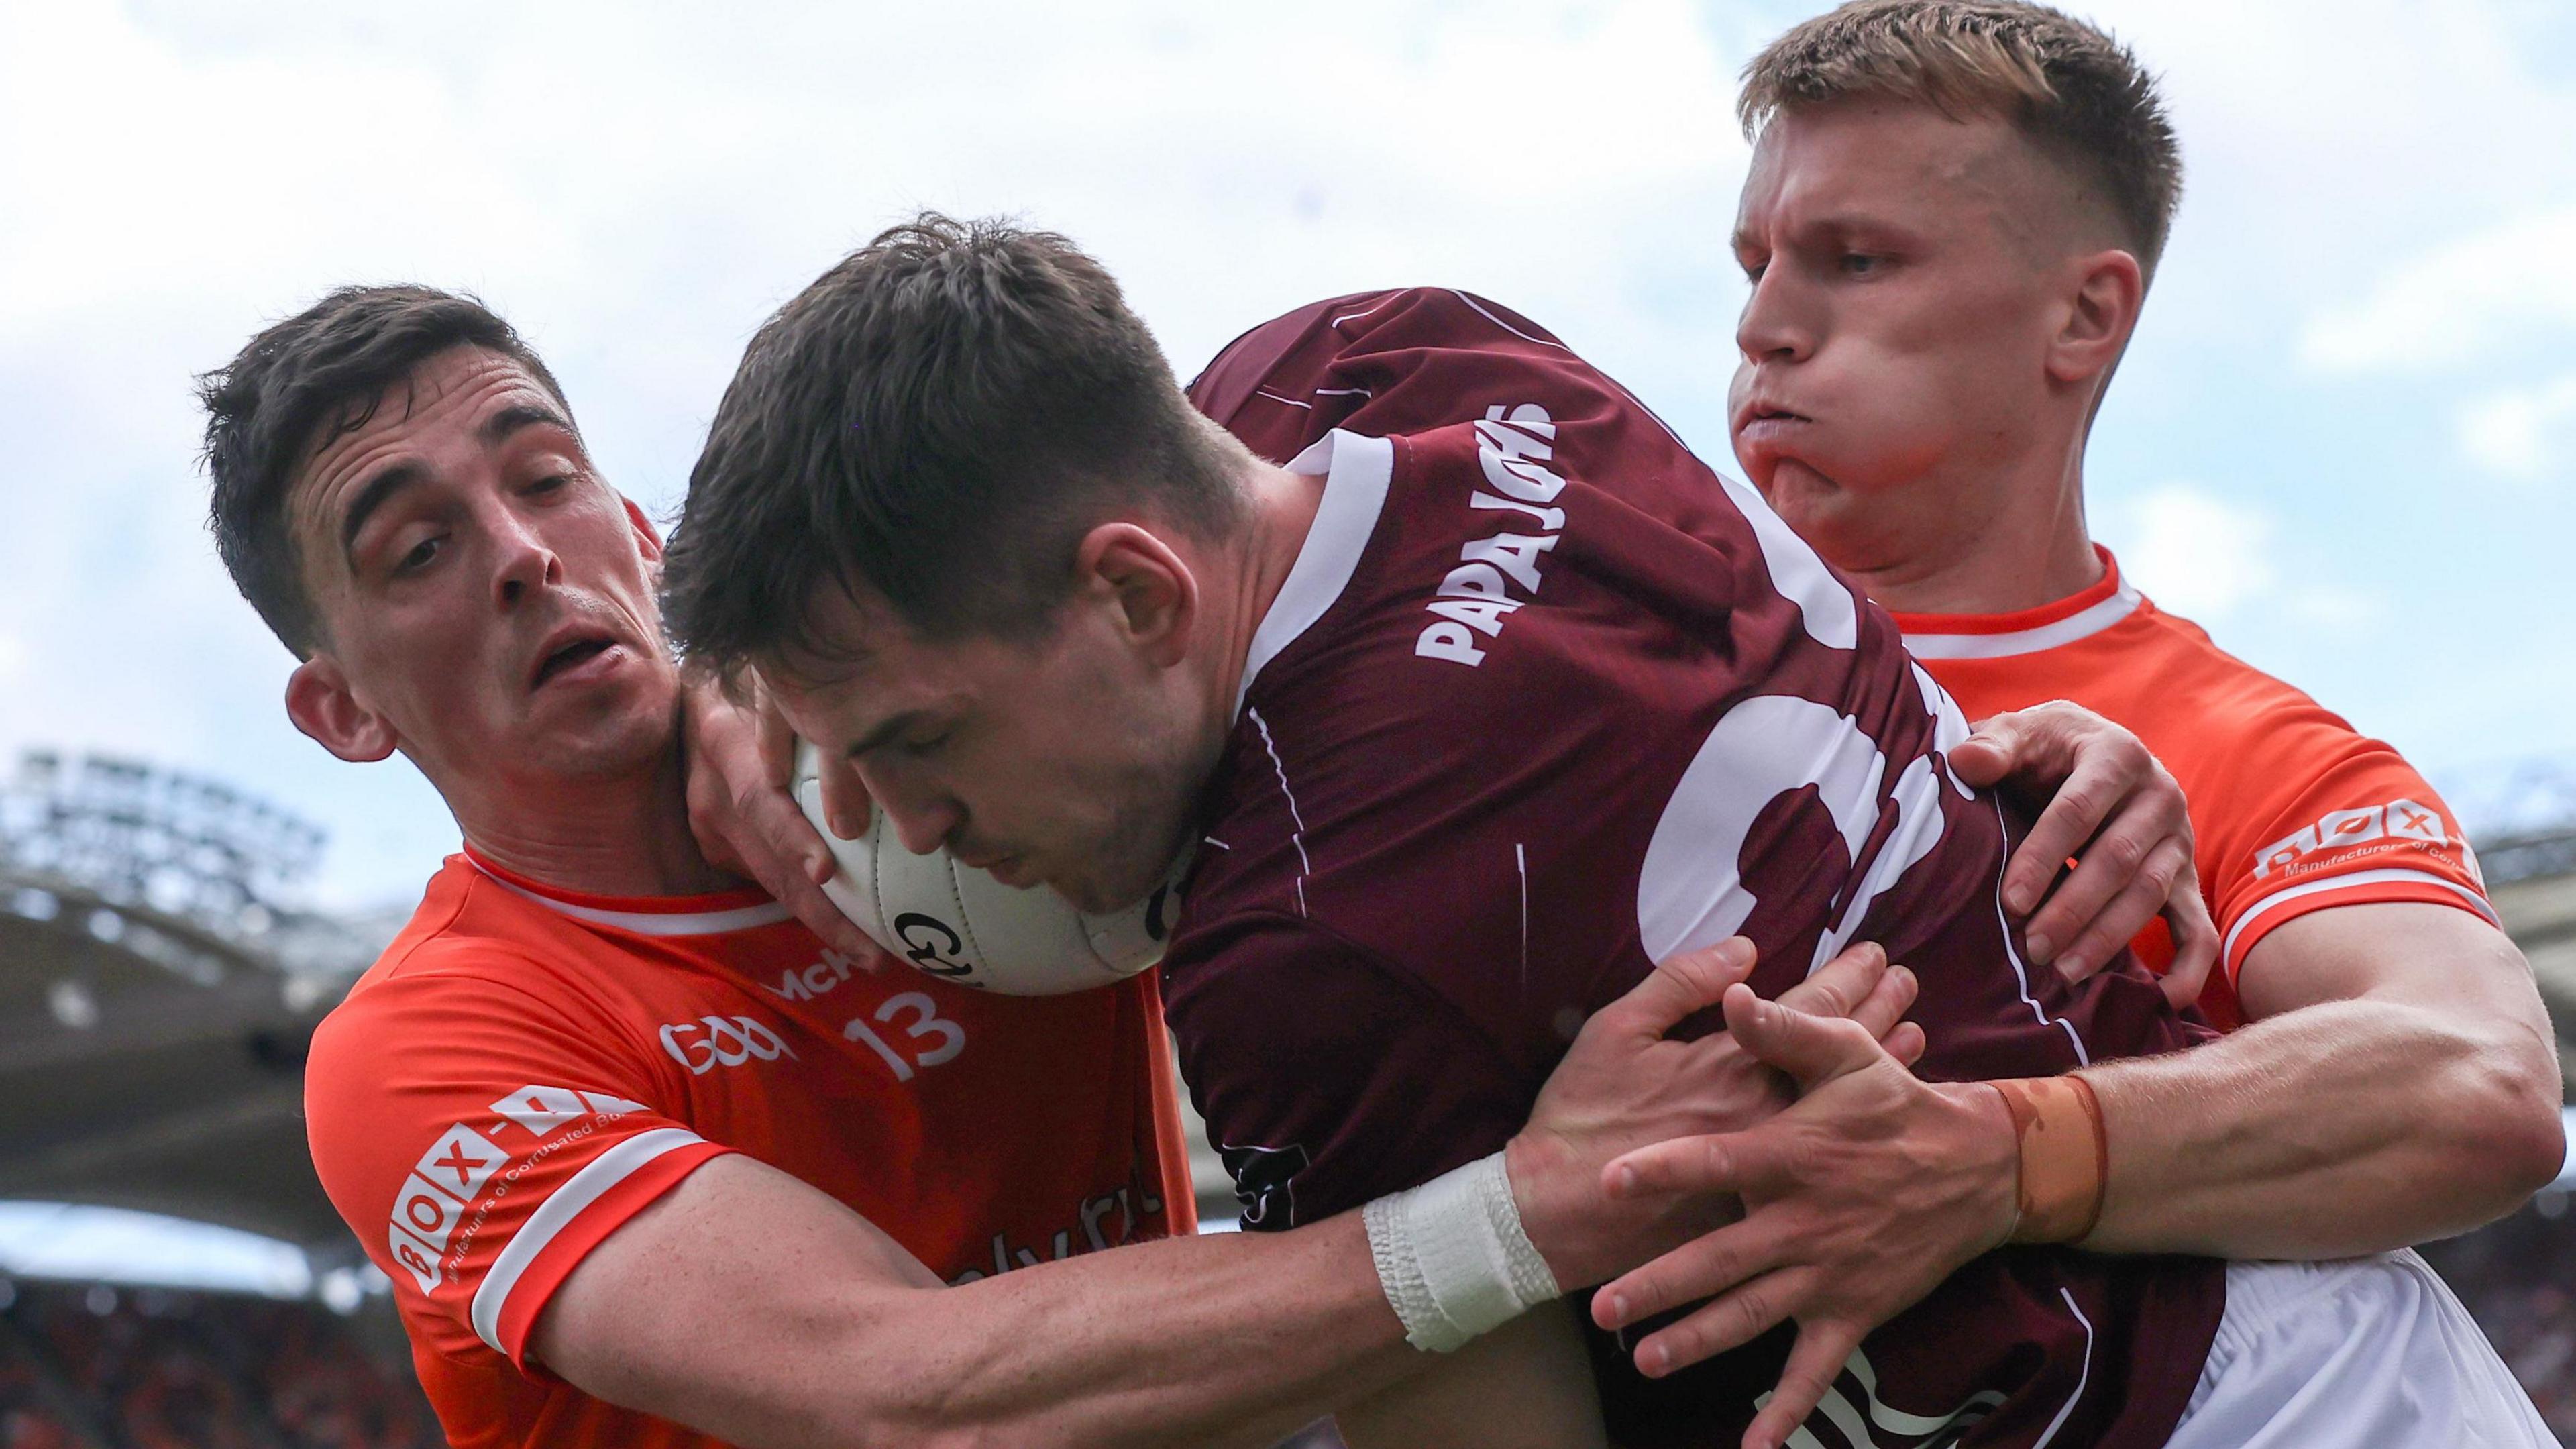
{"points": [[616, 835], [2029, 549], [1283, 513]]}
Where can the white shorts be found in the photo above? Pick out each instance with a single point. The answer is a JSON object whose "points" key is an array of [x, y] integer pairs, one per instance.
{"points": [[2362, 1352]]}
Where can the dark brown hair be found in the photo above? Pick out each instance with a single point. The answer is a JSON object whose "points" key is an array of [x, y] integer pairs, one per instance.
{"points": [[2073, 90], [938, 419], [300, 384]]}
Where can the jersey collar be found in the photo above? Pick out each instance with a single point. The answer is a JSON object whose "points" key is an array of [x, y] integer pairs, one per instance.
{"points": [[2028, 631], [1356, 473], [707, 915]]}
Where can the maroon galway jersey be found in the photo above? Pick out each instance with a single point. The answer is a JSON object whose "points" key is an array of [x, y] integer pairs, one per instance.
{"points": [[1544, 700]]}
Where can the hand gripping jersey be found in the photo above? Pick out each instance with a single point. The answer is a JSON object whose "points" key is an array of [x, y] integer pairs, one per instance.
{"points": [[525, 1069], [1542, 701], [2294, 810]]}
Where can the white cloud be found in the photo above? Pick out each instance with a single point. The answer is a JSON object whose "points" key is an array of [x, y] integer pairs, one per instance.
{"points": [[2209, 558], [2523, 434], [2460, 302], [2197, 554], [636, 188]]}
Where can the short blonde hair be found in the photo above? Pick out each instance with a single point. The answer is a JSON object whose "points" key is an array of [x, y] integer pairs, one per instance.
{"points": [[2072, 89]]}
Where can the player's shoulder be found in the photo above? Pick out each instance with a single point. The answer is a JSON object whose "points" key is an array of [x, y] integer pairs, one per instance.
{"points": [[2276, 779], [1278, 355], [2202, 707], [468, 931], [470, 960]]}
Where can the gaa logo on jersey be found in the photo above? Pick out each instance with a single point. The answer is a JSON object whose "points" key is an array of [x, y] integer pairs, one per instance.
{"points": [[721, 1041]]}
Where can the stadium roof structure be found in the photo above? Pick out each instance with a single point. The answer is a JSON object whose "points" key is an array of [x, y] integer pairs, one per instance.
{"points": [[157, 996]]}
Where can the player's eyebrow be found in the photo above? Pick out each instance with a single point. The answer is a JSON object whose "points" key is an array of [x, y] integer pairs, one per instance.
{"points": [[372, 496], [510, 419]]}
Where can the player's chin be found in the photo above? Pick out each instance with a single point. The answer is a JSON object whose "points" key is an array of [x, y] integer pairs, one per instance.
{"points": [[1104, 883], [1793, 485]]}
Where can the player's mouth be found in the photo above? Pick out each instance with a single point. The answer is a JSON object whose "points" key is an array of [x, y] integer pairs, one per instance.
{"points": [[1760, 424], [573, 654], [1000, 865]]}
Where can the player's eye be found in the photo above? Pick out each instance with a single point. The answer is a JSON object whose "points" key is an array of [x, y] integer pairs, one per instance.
{"points": [[420, 555], [928, 743], [1861, 264], [1753, 267], [551, 483]]}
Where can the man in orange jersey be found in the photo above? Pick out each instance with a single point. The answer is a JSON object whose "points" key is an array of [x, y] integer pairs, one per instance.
{"points": [[646, 1162], [1953, 210]]}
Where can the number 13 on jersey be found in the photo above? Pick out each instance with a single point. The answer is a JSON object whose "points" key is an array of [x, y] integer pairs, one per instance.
{"points": [[925, 1024]]}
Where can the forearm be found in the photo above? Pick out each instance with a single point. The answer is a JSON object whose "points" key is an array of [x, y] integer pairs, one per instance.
{"points": [[1234, 1338], [2340, 1128], [749, 1306]]}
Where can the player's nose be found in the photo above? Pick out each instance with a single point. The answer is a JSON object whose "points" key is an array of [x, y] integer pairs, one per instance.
{"points": [[1773, 327], [522, 563], [923, 820]]}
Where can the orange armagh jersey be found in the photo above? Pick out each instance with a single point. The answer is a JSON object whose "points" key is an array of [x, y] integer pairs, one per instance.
{"points": [[525, 1069], [2294, 810]]}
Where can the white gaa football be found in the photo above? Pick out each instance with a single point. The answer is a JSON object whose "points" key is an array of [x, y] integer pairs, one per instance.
{"points": [[959, 924]]}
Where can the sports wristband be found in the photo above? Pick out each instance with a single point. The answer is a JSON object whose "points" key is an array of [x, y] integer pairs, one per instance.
{"points": [[2057, 1126], [1453, 1258]]}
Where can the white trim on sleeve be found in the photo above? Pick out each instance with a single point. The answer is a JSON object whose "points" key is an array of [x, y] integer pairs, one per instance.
{"points": [[556, 1213], [2475, 902]]}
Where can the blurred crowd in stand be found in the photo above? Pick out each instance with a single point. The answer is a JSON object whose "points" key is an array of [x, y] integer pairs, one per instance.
{"points": [[2519, 1277], [95, 1367]]}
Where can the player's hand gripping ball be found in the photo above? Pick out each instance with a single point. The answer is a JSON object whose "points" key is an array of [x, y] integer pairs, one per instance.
{"points": [[959, 924]]}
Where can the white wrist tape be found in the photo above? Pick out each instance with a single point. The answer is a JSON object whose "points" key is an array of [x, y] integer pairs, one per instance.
{"points": [[1453, 1258]]}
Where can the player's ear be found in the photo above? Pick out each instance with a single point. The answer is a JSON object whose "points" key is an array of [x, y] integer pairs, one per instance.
{"points": [[322, 704], [1155, 594], [2101, 311], [648, 539]]}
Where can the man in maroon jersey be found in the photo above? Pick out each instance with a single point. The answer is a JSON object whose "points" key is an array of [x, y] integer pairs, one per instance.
{"points": [[1648, 677], [1471, 712]]}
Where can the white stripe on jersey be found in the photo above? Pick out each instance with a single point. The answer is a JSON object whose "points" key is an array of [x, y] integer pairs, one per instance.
{"points": [[1357, 472], [2021, 968], [1296, 818], [2081, 624], [557, 1212], [654, 923], [2475, 901]]}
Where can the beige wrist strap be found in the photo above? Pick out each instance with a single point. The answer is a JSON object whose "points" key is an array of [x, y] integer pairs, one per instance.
{"points": [[2057, 1123]]}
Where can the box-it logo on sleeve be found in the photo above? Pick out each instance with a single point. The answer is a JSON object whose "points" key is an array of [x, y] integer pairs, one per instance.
{"points": [[451, 1175], [435, 1196], [2396, 821]]}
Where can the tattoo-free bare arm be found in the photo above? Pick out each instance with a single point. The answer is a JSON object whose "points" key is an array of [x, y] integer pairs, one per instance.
{"points": [[749, 1305], [2397, 1082]]}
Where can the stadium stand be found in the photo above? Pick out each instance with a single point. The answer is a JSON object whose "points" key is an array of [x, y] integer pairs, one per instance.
{"points": [[157, 988], [102, 1368]]}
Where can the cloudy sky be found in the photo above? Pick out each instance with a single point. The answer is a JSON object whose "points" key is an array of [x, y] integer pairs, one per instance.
{"points": [[2345, 439]]}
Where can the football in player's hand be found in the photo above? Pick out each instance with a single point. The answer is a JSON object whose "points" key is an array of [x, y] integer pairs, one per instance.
{"points": [[960, 924]]}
